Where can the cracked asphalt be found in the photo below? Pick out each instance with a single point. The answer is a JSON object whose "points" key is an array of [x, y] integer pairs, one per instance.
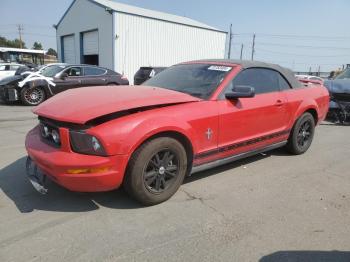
{"points": [[272, 207]]}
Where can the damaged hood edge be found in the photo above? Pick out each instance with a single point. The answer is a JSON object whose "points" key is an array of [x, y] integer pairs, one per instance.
{"points": [[100, 104]]}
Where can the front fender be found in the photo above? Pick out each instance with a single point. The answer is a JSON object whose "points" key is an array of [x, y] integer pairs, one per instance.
{"points": [[125, 135]]}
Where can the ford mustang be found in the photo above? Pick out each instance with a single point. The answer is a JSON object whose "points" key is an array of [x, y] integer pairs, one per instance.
{"points": [[190, 117]]}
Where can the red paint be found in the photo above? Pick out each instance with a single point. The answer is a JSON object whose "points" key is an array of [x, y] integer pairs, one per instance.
{"points": [[231, 122]]}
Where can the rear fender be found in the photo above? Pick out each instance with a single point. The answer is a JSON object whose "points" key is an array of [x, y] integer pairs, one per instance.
{"points": [[306, 105]]}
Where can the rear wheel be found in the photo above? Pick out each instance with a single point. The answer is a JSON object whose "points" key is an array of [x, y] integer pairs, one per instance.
{"points": [[302, 134], [156, 170], [32, 96]]}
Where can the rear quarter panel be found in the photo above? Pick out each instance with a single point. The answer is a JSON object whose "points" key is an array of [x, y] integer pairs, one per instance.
{"points": [[314, 97]]}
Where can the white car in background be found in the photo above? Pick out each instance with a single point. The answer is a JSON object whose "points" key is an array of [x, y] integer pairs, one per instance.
{"points": [[8, 69], [309, 77]]}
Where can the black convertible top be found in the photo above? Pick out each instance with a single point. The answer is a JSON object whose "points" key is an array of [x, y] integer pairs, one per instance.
{"points": [[287, 73]]}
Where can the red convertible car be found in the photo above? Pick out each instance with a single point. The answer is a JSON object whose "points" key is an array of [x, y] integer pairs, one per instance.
{"points": [[190, 117]]}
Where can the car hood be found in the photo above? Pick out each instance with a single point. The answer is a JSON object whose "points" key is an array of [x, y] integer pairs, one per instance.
{"points": [[85, 104], [338, 86], [11, 80]]}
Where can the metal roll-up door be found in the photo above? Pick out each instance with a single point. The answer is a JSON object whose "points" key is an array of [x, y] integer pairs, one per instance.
{"points": [[90, 43], [69, 49]]}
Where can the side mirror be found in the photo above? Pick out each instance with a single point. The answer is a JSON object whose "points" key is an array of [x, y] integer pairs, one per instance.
{"points": [[241, 92], [64, 76]]}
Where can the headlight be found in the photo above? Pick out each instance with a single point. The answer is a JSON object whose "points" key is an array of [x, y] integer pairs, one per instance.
{"points": [[84, 143], [50, 133]]}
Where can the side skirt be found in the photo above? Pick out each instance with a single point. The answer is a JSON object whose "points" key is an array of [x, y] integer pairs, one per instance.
{"points": [[229, 159]]}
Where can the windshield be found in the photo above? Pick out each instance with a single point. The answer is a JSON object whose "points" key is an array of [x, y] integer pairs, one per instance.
{"points": [[51, 71], [199, 80], [344, 75]]}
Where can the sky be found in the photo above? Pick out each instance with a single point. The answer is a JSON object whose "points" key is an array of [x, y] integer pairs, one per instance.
{"points": [[298, 34]]}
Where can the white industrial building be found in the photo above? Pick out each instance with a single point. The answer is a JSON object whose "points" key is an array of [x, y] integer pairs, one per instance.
{"points": [[124, 38]]}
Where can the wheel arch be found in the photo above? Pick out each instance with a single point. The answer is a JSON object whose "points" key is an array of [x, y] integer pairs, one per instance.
{"points": [[313, 112], [307, 107], [175, 134]]}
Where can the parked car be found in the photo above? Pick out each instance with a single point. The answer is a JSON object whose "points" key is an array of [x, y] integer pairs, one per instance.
{"points": [[309, 77], [8, 69], [145, 73], [189, 118], [339, 89], [50, 80]]}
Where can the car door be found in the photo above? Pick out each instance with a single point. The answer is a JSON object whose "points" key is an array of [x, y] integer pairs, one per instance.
{"points": [[70, 78], [247, 124], [94, 76]]}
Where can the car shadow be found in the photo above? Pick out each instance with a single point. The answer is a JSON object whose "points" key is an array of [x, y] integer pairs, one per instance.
{"points": [[307, 256], [16, 186]]}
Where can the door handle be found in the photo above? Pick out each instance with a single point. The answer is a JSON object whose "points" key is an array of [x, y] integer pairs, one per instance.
{"points": [[279, 103]]}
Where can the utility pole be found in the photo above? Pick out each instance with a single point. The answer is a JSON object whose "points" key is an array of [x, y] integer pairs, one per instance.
{"points": [[230, 43], [319, 70], [20, 29], [242, 46], [253, 47]]}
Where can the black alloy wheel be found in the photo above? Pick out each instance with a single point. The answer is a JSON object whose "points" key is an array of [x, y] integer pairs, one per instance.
{"points": [[302, 134], [156, 170], [161, 171]]}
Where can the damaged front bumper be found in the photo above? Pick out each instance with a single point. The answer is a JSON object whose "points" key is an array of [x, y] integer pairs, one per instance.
{"points": [[36, 176], [9, 94]]}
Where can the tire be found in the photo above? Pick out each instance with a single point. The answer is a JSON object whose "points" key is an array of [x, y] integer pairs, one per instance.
{"points": [[32, 96], [156, 170], [112, 84], [302, 135]]}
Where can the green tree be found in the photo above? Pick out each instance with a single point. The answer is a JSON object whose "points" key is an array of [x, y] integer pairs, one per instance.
{"points": [[16, 43], [52, 52], [37, 46]]}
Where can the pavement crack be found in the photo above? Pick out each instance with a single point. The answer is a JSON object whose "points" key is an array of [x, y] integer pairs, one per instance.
{"points": [[192, 197]]}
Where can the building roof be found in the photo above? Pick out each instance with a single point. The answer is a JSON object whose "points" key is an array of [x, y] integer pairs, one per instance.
{"points": [[19, 50], [133, 10]]}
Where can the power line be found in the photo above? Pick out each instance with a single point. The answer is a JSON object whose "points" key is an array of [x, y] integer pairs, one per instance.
{"points": [[293, 36], [297, 54], [305, 46]]}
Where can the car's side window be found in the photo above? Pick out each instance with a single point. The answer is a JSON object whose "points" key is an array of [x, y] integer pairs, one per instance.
{"points": [[263, 80], [94, 71], [74, 71], [284, 85], [14, 67]]}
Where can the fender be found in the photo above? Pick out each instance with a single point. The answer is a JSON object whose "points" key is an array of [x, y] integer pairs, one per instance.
{"points": [[128, 135], [303, 107], [43, 84]]}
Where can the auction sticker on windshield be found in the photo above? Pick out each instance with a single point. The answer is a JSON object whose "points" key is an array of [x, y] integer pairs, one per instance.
{"points": [[220, 68]]}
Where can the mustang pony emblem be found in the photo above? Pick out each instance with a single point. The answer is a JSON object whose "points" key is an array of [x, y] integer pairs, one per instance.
{"points": [[209, 133]]}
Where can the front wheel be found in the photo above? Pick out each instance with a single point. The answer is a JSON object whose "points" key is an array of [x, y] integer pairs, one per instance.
{"points": [[302, 135], [32, 96], [156, 170]]}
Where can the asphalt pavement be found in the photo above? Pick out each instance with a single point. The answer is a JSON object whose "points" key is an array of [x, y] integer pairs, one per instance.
{"points": [[268, 208]]}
